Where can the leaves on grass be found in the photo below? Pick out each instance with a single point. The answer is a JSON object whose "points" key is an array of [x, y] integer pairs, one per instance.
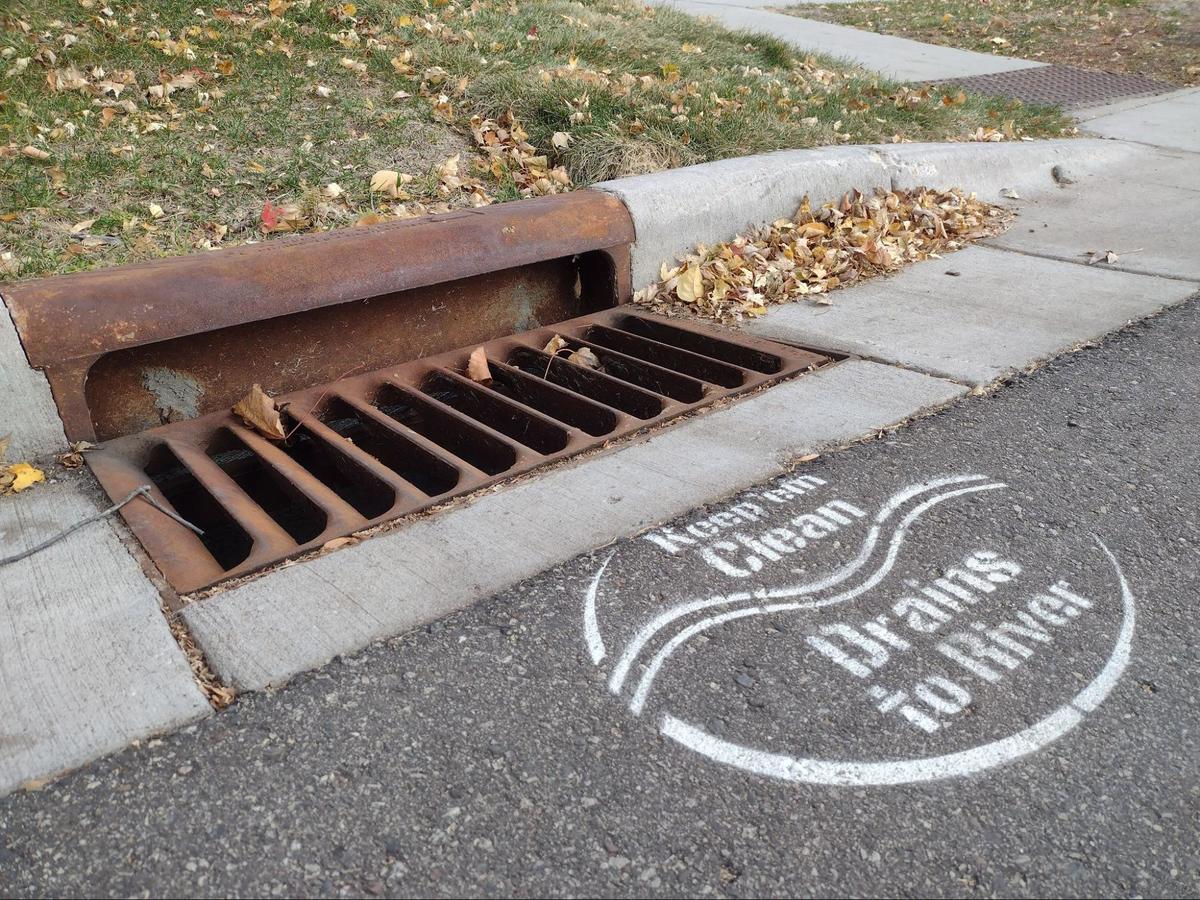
{"points": [[259, 412], [477, 366], [819, 250]]}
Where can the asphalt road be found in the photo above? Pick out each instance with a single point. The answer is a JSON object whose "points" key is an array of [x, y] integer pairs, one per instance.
{"points": [[908, 668]]}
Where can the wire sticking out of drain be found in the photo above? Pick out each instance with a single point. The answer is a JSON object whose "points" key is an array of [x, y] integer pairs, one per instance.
{"points": [[143, 491]]}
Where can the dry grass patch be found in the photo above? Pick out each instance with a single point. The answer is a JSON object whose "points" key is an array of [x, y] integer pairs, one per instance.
{"points": [[132, 129]]}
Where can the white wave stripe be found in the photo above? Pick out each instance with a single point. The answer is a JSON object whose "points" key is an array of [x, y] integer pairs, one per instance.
{"points": [[950, 765], [621, 671], [647, 682], [591, 625]]}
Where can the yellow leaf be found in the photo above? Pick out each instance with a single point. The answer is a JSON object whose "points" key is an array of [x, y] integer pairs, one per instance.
{"points": [[259, 412], [690, 285], [155, 210], [477, 366], [24, 476], [384, 182]]}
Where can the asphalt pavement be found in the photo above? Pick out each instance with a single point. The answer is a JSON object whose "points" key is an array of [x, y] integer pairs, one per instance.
{"points": [[957, 660]]}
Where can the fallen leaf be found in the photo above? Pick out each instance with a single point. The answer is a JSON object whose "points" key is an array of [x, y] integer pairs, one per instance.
{"points": [[384, 182], [477, 366], [690, 286], [34, 153], [259, 412], [584, 357], [19, 477], [560, 140], [73, 458], [338, 544], [82, 226], [4, 442], [1009, 193], [555, 344], [155, 210]]}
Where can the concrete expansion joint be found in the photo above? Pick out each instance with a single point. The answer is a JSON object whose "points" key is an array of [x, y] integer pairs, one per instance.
{"points": [[1081, 261]]}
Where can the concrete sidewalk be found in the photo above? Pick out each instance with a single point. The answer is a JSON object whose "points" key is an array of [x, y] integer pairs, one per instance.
{"points": [[894, 57]]}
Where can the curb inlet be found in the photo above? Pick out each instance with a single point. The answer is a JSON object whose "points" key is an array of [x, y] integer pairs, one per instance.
{"points": [[371, 448]]}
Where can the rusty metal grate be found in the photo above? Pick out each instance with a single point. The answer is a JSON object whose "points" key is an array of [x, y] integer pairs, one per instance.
{"points": [[1065, 86], [371, 448]]}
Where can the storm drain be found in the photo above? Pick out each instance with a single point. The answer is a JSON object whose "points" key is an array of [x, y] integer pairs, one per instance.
{"points": [[1065, 86], [370, 448]]}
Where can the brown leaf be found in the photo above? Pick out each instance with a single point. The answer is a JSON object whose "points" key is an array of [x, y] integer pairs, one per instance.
{"points": [[585, 357], [73, 458], [477, 366], [4, 442], [555, 344], [338, 544], [259, 412]]}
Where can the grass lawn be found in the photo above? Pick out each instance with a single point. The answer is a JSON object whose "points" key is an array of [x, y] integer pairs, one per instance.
{"points": [[1156, 38], [131, 130]]}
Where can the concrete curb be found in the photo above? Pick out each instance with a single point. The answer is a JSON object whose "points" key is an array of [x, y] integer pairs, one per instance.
{"points": [[673, 211]]}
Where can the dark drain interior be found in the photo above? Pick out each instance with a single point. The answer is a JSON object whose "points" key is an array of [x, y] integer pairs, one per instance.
{"points": [[371, 448]]}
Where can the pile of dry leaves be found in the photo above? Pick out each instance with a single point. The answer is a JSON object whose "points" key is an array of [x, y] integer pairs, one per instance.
{"points": [[818, 250]]}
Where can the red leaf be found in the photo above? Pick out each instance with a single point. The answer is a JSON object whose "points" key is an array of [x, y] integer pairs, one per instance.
{"points": [[270, 217]]}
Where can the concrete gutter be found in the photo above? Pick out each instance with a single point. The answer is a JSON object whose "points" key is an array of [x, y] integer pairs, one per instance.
{"points": [[88, 664], [673, 211]]}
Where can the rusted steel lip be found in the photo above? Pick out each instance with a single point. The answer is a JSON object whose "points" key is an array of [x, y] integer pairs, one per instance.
{"points": [[411, 436], [85, 315]]}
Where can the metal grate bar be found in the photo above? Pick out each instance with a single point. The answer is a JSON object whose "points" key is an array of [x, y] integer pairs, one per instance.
{"points": [[373, 447]]}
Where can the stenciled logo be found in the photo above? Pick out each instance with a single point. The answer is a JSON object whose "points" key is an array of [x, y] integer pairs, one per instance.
{"points": [[900, 652]]}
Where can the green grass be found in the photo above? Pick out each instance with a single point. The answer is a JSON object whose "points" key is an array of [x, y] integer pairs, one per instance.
{"points": [[636, 88], [1156, 38]]}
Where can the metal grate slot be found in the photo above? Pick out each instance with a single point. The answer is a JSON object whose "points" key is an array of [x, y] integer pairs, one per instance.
{"points": [[524, 425], [471, 444], [552, 400], [693, 364], [369, 496], [223, 537], [278, 497], [376, 446], [702, 343], [421, 468], [646, 375], [588, 382]]}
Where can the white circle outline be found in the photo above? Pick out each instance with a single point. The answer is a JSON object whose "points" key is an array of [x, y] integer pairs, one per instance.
{"points": [[951, 765]]}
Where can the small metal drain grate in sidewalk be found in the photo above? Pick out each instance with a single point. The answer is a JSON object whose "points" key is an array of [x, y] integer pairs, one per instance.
{"points": [[1064, 86], [370, 448]]}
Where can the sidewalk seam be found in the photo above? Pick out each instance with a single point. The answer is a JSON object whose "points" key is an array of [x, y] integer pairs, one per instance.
{"points": [[1079, 262]]}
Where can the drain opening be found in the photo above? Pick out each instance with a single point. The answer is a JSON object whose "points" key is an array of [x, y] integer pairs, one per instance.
{"points": [[384, 444], [702, 343], [416, 465], [552, 400], [643, 374], [684, 361], [278, 497], [507, 418], [594, 385], [368, 496], [223, 537], [472, 445]]}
